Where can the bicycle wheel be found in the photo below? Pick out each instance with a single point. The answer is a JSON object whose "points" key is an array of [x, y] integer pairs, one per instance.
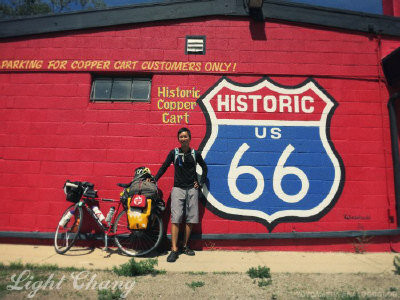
{"points": [[66, 235], [137, 242]]}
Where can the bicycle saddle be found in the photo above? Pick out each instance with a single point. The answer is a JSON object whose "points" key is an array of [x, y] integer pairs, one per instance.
{"points": [[124, 185]]}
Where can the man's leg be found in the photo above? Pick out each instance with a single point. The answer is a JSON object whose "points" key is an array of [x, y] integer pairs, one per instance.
{"points": [[192, 217], [177, 201], [174, 234], [188, 230]]}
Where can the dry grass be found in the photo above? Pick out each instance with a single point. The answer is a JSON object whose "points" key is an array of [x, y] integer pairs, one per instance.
{"points": [[213, 285]]}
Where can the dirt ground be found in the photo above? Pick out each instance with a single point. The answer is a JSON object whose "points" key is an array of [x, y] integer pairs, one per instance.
{"points": [[96, 284]]}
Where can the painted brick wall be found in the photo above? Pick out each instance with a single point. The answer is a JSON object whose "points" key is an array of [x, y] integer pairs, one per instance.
{"points": [[51, 131], [391, 7]]}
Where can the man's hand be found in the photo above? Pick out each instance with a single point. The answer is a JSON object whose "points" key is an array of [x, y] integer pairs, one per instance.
{"points": [[196, 185]]}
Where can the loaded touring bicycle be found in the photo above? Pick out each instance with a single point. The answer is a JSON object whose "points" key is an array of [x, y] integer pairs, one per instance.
{"points": [[135, 224]]}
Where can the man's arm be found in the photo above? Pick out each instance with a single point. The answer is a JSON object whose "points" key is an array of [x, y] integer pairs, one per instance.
{"points": [[165, 165], [203, 166]]}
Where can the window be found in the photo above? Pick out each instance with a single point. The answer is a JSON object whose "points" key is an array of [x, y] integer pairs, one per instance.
{"points": [[120, 89]]}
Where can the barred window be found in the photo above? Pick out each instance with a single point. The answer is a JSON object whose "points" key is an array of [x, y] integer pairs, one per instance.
{"points": [[121, 89]]}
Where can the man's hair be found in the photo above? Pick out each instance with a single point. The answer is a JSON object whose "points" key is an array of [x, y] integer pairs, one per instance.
{"points": [[184, 129]]}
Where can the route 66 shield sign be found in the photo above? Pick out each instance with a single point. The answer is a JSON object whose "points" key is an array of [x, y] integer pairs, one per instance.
{"points": [[269, 153]]}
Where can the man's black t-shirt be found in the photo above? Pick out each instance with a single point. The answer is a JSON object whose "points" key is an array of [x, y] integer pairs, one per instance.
{"points": [[185, 168]]}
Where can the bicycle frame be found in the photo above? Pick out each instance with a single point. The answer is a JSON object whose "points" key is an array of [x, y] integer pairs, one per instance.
{"points": [[105, 230]]}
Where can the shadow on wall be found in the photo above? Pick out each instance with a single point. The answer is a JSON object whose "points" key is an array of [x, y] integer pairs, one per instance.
{"points": [[257, 30]]}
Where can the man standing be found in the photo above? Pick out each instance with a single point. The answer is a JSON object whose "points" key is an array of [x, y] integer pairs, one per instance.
{"points": [[185, 193]]}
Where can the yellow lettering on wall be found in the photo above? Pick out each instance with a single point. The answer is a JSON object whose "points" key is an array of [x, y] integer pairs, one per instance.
{"points": [[90, 65], [22, 64], [125, 65], [169, 118], [178, 92], [121, 65], [218, 66], [57, 64], [171, 66], [175, 105]]}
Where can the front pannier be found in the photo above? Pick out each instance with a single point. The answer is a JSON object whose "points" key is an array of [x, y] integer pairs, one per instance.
{"points": [[73, 194]]}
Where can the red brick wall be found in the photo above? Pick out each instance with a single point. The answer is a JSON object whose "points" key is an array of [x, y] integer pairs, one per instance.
{"points": [[391, 7], [51, 131]]}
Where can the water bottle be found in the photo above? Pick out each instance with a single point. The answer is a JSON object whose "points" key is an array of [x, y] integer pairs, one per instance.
{"points": [[98, 213], [110, 214], [64, 220]]}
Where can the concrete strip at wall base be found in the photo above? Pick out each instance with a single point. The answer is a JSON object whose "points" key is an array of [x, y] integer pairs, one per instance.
{"points": [[239, 236], [209, 261]]}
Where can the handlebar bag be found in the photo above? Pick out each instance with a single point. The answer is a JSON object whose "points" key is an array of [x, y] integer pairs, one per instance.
{"points": [[90, 193], [73, 194]]}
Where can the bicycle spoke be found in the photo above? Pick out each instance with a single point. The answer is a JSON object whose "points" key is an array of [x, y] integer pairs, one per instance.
{"points": [[150, 240], [66, 234], [139, 242]]}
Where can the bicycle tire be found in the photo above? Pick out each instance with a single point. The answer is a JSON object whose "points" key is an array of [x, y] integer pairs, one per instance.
{"points": [[66, 235], [138, 242]]}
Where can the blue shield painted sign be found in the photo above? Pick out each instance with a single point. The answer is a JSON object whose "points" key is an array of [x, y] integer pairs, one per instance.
{"points": [[269, 151]]}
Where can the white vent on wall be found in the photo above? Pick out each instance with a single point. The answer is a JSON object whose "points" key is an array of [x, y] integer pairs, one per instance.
{"points": [[195, 45]]}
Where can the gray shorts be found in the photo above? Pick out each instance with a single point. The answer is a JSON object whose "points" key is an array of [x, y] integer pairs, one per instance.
{"points": [[178, 199]]}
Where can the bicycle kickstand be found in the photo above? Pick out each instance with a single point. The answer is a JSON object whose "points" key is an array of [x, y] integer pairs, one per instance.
{"points": [[105, 243]]}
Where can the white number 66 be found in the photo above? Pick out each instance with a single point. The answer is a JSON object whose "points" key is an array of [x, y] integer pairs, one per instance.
{"points": [[280, 171]]}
